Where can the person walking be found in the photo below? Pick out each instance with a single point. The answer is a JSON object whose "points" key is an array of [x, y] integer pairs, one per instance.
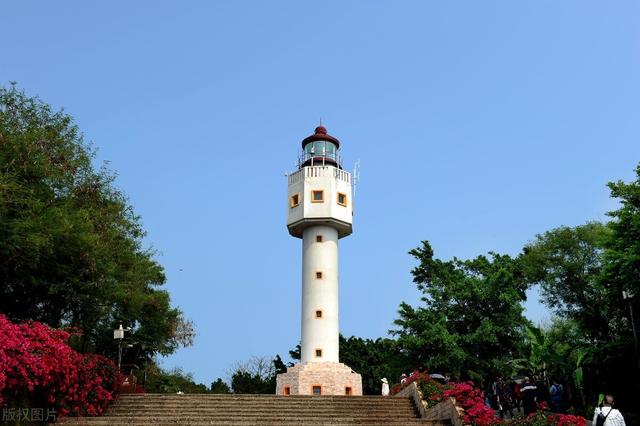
{"points": [[517, 395], [606, 415], [529, 397], [504, 399], [556, 392]]}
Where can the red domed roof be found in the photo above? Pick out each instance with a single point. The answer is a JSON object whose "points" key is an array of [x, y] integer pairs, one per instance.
{"points": [[320, 134]]}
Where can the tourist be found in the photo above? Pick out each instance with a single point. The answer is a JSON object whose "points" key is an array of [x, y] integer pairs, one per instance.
{"points": [[542, 396], [493, 396], [403, 378], [504, 399], [516, 394], [556, 391], [529, 396], [608, 415], [385, 387]]}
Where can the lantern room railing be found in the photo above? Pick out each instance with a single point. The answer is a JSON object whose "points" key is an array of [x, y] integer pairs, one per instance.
{"points": [[319, 158]]}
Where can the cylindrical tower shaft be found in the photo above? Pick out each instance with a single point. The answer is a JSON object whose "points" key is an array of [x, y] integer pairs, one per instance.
{"points": [[320, 294]]}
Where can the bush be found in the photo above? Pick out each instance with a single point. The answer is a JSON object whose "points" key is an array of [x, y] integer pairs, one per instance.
{"points": [[470, 398], [39, 369]]}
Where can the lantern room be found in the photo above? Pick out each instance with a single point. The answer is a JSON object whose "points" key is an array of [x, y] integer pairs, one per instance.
{"points": [[320, 149]]}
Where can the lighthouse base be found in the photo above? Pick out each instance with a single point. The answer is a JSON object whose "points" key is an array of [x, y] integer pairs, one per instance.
{"points": [[323, 378]]}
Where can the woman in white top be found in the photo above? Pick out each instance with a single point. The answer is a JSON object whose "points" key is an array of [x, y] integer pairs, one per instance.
{"points": [[385, 387], [613, 416]]}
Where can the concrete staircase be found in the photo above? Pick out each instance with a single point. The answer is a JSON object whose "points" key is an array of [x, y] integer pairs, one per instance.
{"points": [[166, 409]]}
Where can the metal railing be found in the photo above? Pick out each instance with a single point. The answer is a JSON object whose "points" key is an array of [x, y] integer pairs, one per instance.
{"points": [[319, 159]]}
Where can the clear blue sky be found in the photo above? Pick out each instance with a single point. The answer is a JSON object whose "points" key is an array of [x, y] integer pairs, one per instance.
{"points": [[478, 125]]}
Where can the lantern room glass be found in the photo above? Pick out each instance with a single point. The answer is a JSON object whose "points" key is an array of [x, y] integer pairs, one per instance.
{"points": [[321, 149]]}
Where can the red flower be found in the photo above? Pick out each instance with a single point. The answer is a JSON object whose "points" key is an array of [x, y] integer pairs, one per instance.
{"points": [[37, 364]]}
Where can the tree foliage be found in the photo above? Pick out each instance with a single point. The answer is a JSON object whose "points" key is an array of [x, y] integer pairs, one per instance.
{"points": [[566, 262], [220, 387], [471, 319], [71, 246], [159, 380], [373, 360], [621, 271], [256, 375], [583, 272]]}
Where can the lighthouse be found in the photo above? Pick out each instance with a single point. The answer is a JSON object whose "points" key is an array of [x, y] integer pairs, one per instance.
{"points": [[320, 213]]}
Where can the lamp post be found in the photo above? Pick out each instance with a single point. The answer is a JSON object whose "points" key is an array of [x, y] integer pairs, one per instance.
{"points": [[627, 295], [118, 334]]}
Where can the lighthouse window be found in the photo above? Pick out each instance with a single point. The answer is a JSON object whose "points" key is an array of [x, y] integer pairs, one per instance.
{"points": [[295, 200], [318, 353], [318, 238], [320, 149], [318, 314], [317, 196], [319, 275], [316, 390], [342, 199]]}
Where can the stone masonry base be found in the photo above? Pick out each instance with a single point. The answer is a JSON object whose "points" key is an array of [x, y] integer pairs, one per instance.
{"points": [[334, 379]]}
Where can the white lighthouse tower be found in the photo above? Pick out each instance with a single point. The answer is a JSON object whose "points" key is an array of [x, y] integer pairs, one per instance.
{"points": [[320, 212]]}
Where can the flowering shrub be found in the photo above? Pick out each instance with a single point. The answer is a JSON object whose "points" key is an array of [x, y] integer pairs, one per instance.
{"points": [[417, 376], [432, 390], [542, 419], [38, 368], [470, 398]]}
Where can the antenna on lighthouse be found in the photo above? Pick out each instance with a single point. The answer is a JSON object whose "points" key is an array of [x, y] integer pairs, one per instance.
{"points": [[356, 176]]}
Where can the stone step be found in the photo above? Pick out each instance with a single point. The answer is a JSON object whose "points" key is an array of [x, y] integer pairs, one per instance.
{"points": [[337, 399], [98, 421], [253, 405], [250, 395], [238, 413], [258, 408], [273, 403], [271, 410], [314, 399]]}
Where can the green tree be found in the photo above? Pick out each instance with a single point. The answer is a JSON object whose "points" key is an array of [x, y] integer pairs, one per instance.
{"points": [[621, 272], [257, 375], [71, 249], [566, 263], [583, 272], [220, 387], [471, 322], [373, 360], [176, 380]]}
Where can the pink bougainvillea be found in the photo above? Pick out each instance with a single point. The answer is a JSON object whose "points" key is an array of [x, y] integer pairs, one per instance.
{"points": [[39, 368], [470, 398]]}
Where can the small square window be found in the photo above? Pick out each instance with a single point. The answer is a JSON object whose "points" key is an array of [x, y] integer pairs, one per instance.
{"points": [[318, 353], [342, 199], [318, 314], [319, 275], [316, 390], [348, 391], [294, 201], [317, 196], [287, 390], [318, 238]]}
